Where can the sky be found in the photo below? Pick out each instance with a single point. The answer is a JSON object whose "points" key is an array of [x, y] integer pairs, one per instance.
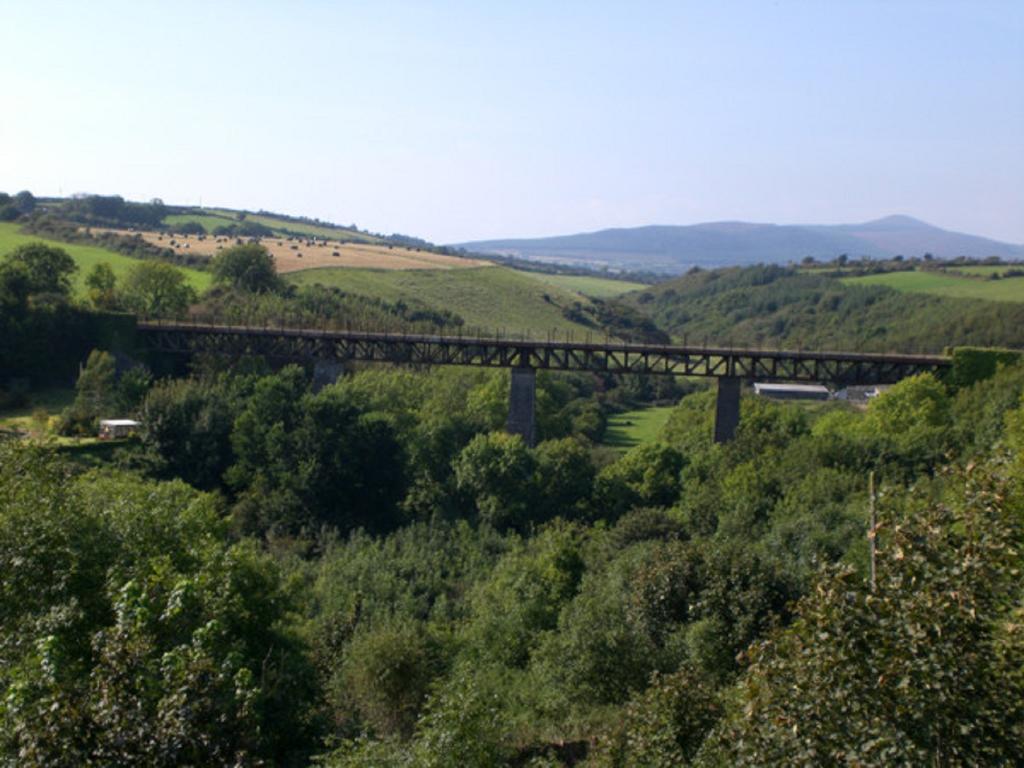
{"points": [[458, 121]]}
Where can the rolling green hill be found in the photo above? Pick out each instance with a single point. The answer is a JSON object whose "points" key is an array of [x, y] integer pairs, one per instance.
{"points": [[944, 284], [88, 256], [485, 297]]}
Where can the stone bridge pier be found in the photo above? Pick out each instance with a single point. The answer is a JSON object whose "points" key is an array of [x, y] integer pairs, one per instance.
{"points": [[522, 418], [727, 408]]}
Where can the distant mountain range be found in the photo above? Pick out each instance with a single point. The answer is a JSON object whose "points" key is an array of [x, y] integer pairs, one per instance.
{"points": [[677, 248]]}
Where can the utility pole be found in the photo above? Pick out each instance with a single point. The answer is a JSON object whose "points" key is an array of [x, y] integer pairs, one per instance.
{"points": [[871, 531]]}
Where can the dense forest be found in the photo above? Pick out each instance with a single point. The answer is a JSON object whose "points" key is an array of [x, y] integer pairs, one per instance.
{"points": [[371, 572]]}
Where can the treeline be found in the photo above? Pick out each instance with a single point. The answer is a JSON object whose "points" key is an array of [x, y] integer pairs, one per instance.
{"points": [[13, 207], [775, 306], [112, 211], [373, 572]]}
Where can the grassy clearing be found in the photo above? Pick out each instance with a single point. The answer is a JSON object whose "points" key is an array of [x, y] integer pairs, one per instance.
{"points": [[208, 222], [36, 417], [485, 297], [594, 287], [938, 284], [632, 428], [87, 257]]}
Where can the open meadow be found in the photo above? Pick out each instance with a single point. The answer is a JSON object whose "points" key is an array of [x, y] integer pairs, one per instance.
{"points": [[88, 256], [632, 428], [942, 284]]}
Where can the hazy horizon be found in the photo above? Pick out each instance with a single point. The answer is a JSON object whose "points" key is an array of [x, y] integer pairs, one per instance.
{"points": [[458, 122]]}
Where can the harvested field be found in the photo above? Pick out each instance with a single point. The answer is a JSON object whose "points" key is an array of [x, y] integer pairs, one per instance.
{"points": [[292, 254]]}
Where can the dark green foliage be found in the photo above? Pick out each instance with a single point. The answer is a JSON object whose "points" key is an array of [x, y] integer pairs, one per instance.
{"points": [[305, 460], [463, 599], [663, 727], [132, 633], [496, 471], [647, 476], [153, 289], [243, 229], [47, 344], [47, 270], [921, 671], [186, 426], [973, 364], [247, 267], [113, 210], [387, 673]]}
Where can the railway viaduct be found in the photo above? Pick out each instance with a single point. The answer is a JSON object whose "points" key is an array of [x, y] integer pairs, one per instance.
{"points": [[730, 366]]}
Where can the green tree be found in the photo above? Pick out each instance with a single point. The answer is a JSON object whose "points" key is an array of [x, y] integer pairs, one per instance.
{"points": [[923, 670], [306, 460], [25, 202], [102, 285], [564, 479], [665, 725], [156, 289], [186, 425], [496, 471], [646, 476], [95, 395], [48, 268], [133, 632], [15, 287], [248, 267], [387, 672]]}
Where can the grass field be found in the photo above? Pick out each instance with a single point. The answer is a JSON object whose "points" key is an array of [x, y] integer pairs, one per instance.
{"points": [[88, 256], [209, 223], [1010, 289], [298, 227], [632, 428], [211, 218], [485, 297], [594, 287]]}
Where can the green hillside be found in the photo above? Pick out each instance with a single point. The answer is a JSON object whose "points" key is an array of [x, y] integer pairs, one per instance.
{"points": [[782, 307], [211, 218], [944, 284], [485, 297], [88, 256], [594, 287]]}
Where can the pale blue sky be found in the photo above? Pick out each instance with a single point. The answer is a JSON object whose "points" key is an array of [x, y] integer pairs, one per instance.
{"points": [[466, 120]]}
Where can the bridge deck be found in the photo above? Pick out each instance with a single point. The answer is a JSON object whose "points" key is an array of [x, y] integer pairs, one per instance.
{"points": [[553, 354]]}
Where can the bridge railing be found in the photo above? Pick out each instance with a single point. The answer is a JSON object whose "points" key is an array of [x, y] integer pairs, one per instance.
{"points": [[555, 337]]}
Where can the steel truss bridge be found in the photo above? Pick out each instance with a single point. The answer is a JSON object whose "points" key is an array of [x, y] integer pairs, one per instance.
{"points": [[525, 356]]}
